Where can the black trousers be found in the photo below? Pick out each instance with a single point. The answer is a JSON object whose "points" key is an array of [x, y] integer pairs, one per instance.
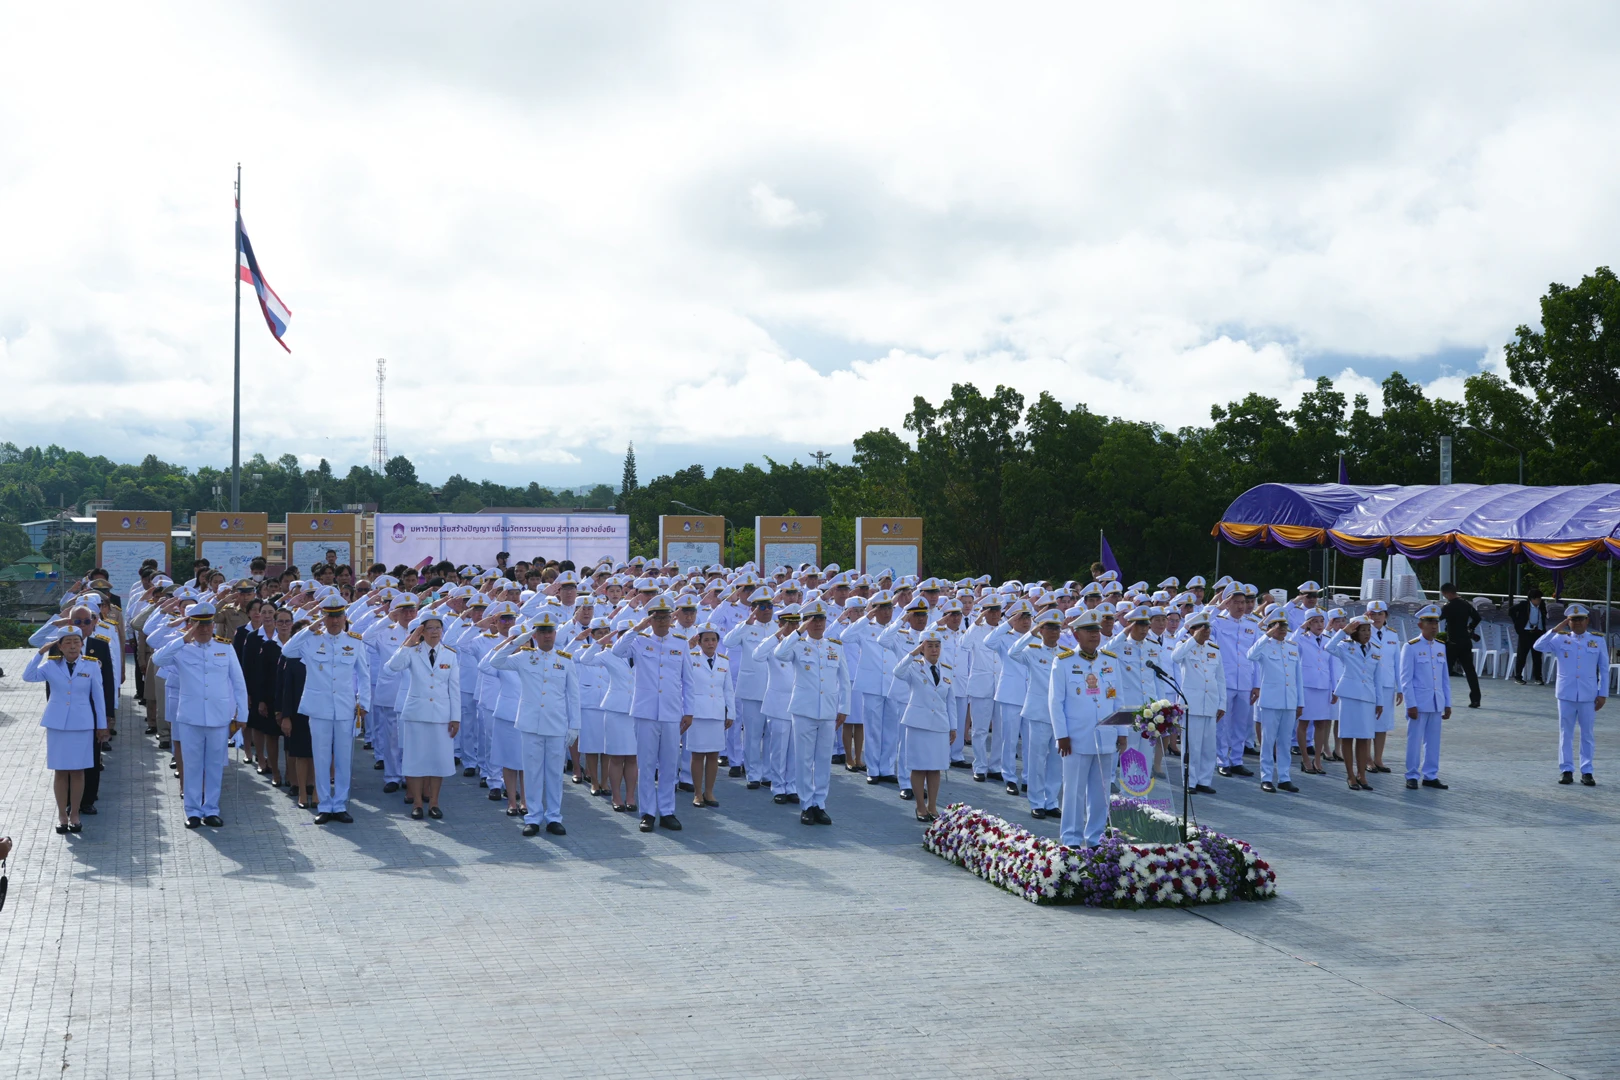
{"points": [[1526, 642], [1461, 654], [92, 778]]}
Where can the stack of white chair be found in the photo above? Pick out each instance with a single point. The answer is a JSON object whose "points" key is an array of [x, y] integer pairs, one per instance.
{"points": [[1493, 652]]}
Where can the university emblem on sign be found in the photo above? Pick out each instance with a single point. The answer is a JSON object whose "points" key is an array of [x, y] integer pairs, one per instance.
{"points": [[224, 524], [1135, 777], [125, 523], [399, 532]]}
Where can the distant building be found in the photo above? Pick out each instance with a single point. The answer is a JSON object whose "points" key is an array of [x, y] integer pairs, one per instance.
{"points": [[41, 531]]}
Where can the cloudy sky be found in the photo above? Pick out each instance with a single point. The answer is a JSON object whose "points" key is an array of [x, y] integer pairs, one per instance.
{"points": [[724, 230]]}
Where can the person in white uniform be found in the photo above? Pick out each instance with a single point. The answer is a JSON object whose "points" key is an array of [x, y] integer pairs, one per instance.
{"points": [[1201, 667], [1388, 644], [781, 767], [388, 685], [1276, 661], [983, 671], [1011, 688], [1361, 696], [75, 716], [929, 719], [1082, 693], [337, 696], [1426, 687], [658, 704], [1035, 651], [212, 695], [430, 716], [618, 729], [1582, 679], [819, 705], [713, 707], [548, 712], [742, 641]]}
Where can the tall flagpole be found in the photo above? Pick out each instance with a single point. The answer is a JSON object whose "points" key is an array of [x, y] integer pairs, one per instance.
{"points": [[236, 385]]}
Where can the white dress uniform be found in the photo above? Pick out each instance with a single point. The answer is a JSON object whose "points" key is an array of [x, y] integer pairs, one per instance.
{"points": [[821, 689], [615, 683], [899, 637], [752, 675], [710, 698], [1011, 688], [548, 710], [657, 702], [1202, 674], [983, 665], [781, 765], [1426, 687], [1137, 683], [382, 639], [872, 679], [76, 709], [930, 714], [432, 703], [1582, 678], [1389, 675], [1277, 670], [1360, 687], [212, 694], [1236, 635], [1084, 691], [470, 646], [1041, 764], [337, 678]]}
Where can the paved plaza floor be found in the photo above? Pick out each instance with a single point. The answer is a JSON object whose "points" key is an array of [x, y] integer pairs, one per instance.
{"points": [[1472, 933]]}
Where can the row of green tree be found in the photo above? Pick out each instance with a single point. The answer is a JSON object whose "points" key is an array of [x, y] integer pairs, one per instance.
{"points": [[1012, 487]]}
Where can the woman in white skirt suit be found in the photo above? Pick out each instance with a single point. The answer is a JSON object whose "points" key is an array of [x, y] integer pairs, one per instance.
{"points": [[505, 747], [929, 719], [430, 718], [590, 753], [75, 716], [618, 729], [1361, 696], [713, 710]]}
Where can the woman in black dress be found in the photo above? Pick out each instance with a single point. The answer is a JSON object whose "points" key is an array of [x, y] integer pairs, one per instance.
{"points": [[262, 735], [289, 690]]}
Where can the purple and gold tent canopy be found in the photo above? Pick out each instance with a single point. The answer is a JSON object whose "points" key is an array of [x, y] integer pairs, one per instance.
{"points": [[1553, 527]]}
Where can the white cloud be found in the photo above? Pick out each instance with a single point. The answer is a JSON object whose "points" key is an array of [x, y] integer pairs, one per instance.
{"points": [[567, 229]]}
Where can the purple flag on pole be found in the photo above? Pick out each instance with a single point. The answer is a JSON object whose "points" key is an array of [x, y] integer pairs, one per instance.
{"points": [[1107, 557]]}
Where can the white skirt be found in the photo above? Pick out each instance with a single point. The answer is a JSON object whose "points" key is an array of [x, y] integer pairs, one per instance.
{"points": [[505, 744], [927, 751], [69, 750], [706, 735], [1386, 722], [1355, 719], [592, 732], [426, 749], [621, 733]]}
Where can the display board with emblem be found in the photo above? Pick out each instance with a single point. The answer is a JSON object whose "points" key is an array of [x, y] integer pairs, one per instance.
{"points": [[696, 541], [311, 536], [787, 541], [230, 542], [126, 538], [888, 544]]}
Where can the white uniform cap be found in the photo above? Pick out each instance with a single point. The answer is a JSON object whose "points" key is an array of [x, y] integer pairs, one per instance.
{"points": [[813, 608], [1087, 618], [1309, 587], [1571, 611], [425, 618], [1376, 605], [1196, 619], [1049, 618], [201, 611]]}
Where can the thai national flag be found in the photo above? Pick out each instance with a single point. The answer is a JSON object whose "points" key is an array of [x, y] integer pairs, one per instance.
{"points": [[276, 314]]}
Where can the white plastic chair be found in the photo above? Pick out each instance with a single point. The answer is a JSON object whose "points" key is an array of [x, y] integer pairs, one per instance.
{"points": [[1491, 651]]}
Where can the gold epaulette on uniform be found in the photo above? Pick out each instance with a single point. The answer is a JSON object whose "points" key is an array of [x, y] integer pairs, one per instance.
{"points": [[354, 635], [565, 655], [1105, 652], [1415, 640], [1064, 654]]}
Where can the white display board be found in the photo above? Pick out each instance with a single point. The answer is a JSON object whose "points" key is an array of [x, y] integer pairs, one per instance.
{"points": [[693, 553], [122, 560], [306, 554], [233, 558], [785, 553], [476, 538], [901, 558]]}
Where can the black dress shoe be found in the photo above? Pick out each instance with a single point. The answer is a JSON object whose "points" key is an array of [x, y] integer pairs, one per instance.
{"points": [[377, 765], [531, 829], [1242, 770], [1221, 770], [1203, 789], [806, 817], [723, 761], [670, 822], [469, 772], [792, 798], [165, 744], [344, 816], [1038, 814], [555, 828], [151, 731], [1411, 785], [978, 778], [1053, 812], [496, 794], [1268, 786], [1249, 751], [435, 813], [1473, 704], [821, 816], [1288, 785], [213, 821], [960, 765], [735, 771], [874, 779], [365, 745], [838, 759], [417, 814], [482, 782], [1586, 779], [646, 823], [1436, 784], [907, 794], [1566, 778], [684, 787], [322, 818], [753, 785], [390, 787], [87, 810], [995, 774], [1023, 789], [1012, 787], [780, 799], [191, 822]]}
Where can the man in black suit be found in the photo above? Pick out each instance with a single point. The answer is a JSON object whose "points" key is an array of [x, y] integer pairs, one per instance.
{"points": [[1460, 618], [1529, 623]]}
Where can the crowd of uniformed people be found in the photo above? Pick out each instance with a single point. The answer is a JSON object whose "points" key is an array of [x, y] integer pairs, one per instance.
{"points": [[648, 682]]}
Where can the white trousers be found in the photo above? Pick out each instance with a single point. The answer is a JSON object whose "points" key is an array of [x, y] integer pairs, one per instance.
{"points": [[467, 741], [752, 723], [333, 742], [1276, 728], [1010, 728], [734, 740], [781, 766], [1085, 798], [883, 738], [1573, 714], [491, 772], [1423, 739], [658, 750], [983, 711], [543, 776], [385, 741], [1236, 728], [1044, 766], [812, 747], [959, 747], [202, 752], [1200, 748]]}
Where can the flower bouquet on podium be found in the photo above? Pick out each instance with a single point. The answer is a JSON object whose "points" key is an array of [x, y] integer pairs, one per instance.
{"points": [[1157, 719]]}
